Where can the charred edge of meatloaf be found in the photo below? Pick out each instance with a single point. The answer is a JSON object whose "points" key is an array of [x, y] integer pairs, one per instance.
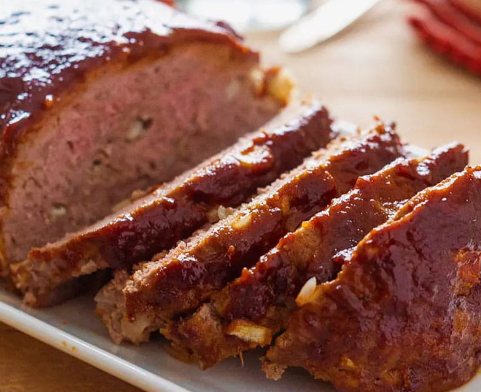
{"points": [[191, 273], [173, 211], [409, 301], [255, 307]]}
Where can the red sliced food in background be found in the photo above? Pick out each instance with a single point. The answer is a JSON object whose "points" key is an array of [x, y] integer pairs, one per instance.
{"points": [[469, 11], [450, 15], [168, 2], [449, 32]]}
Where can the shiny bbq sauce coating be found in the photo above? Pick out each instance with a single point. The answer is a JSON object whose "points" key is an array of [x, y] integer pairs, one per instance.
{"points": [[176, 209], [190, 274], [228, 180], [404, 314], [47, 47], [280, 274], [263, 297]]}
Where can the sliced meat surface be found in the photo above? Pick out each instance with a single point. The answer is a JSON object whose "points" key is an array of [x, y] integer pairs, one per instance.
{"points": [[251, 310], [190, 273], [175, 210], [404, 314], [102, 98]]}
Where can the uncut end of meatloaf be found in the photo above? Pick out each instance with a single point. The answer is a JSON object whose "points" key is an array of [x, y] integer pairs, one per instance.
{"points": [[174, 210], [405, 311], [256, 306], [193, 271], [134, 95]]}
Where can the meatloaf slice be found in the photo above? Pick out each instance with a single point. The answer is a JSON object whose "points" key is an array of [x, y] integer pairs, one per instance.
{"points": [[176, 209], [100, 98], [256, 306], [190, 273], [404, 314]]}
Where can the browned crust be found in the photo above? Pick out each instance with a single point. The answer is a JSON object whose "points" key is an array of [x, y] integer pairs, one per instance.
{"points": [[264, 297], [404, 313], [176, 209], [192, 272]]}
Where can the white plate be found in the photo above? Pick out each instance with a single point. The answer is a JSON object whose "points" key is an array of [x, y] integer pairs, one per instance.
{"points": [[74, 329]]}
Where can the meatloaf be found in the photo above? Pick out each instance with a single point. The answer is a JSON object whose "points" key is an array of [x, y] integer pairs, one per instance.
{"points": [[175, 210], [404, 314], [257, 305], [190, 273], [100, 98]]}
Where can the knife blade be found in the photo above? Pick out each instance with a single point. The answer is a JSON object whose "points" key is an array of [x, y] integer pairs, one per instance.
{"points": [[323, 23]]}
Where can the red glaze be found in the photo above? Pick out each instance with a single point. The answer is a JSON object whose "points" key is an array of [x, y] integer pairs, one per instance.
{"points": [[280, 274], [404, 314], [48, 47], [191, 274], [265, 294], [176, 209]]}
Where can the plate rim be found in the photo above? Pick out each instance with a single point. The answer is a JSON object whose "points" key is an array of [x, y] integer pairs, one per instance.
{"points": [[86, 352]]}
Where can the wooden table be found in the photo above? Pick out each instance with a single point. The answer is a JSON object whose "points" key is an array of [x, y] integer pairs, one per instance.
{"points": [[376, 68]]}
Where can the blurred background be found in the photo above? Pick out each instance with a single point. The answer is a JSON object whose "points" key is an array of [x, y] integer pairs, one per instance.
{"points": [[250, 14], [380, 64]]}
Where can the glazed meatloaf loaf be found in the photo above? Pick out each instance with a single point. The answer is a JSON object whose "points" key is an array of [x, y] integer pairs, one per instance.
{"points": [[257, 305], [174, 210], [404, 314], [100, 98], [190, 273]]}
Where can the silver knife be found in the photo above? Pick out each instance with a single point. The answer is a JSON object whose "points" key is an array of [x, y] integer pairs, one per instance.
{"points": [[323, 23]]}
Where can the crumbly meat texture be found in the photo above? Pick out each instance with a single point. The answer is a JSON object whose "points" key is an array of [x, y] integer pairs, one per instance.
{"points": [[80, 106], [193, 271], [404, 314], [255, 307], [175, 210]]}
